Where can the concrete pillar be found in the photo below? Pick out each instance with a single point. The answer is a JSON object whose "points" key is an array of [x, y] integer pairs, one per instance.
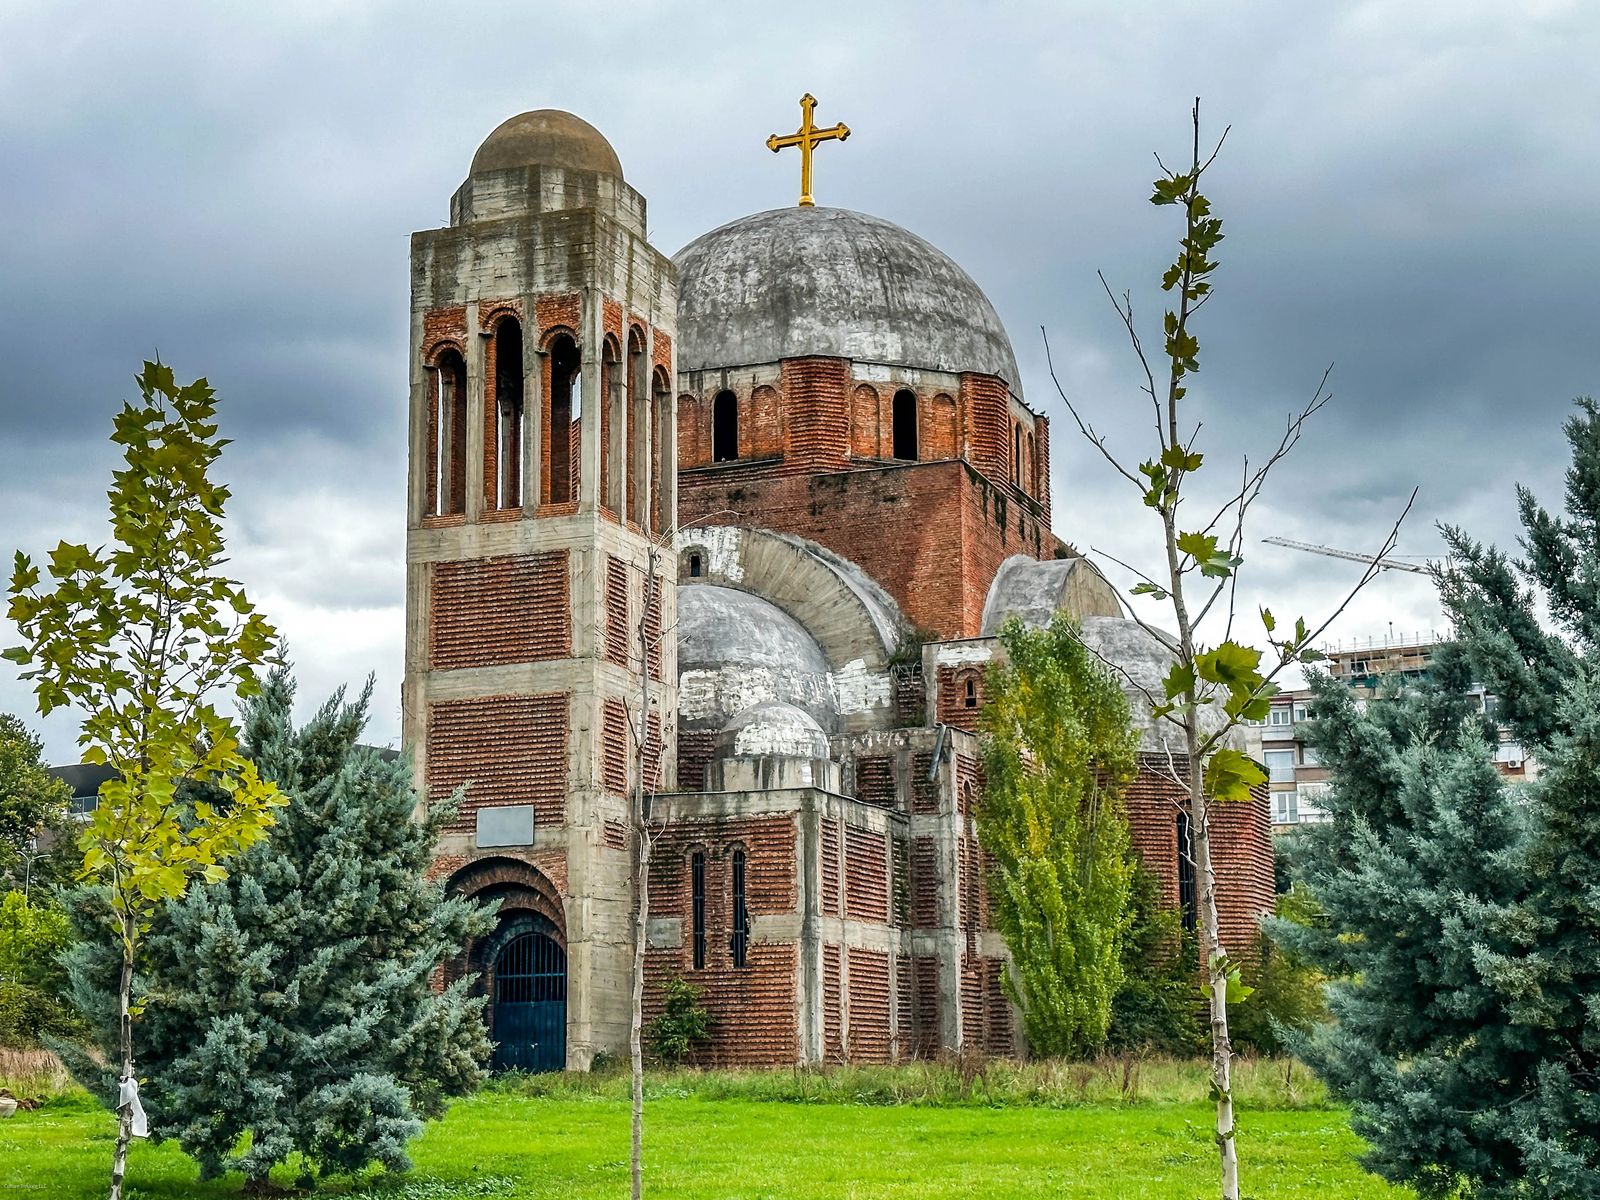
{"points": [[808, 979], [475, 416], [417, 436], [592, 349]]}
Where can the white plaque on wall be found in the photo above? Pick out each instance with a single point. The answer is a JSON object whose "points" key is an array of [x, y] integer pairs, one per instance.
{"points": [[505, 825]]}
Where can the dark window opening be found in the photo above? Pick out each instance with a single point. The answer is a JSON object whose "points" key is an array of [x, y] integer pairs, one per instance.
{"points": [[905, 425], [449, 484], [508, 409], [564, 389], [1016, 454], [739, 943], [970, 696], [697, 873], [725, 427], [694, 566], [1186, 893]]}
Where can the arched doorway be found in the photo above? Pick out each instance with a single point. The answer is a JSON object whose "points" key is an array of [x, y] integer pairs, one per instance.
{"points": [[528, 996], [521, 967]]}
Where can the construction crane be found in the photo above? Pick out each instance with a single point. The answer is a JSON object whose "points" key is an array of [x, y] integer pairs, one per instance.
{"points": [[1383, 564]]}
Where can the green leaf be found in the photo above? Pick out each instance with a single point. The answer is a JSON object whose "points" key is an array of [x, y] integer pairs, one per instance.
{"points": [[1198, 546], [1175, 458], [1230, 774], [1147, 589], [1268, 620], [1230, 664]]}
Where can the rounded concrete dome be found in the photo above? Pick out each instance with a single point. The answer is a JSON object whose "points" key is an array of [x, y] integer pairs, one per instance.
{"points": [[828, 281], [772, 729], [737, 650], [547, 137]]}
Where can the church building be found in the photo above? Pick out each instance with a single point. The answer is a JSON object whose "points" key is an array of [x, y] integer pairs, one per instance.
{"points": [[758, 509]]}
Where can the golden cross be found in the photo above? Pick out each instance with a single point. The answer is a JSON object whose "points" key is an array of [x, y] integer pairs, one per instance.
{"points": [[807, 138]]}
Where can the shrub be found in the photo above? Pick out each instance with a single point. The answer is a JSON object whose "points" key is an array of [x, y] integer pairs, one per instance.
{"points": [[1158, 1007], [682, 1023]]}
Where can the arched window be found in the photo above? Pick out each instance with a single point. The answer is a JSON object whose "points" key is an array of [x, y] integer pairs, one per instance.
{"points": [[725, 427], [905, 424], [663, 437], [1033, 469], [508, 409], [969, 692], [636, 457], [1016, 453], [739, 943], [697, 885], [613, 427], [565, 412], [1186, 893], [447, 449]]}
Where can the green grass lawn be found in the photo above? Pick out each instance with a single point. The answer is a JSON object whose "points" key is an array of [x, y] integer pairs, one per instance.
{"points": [[575, 1147]]}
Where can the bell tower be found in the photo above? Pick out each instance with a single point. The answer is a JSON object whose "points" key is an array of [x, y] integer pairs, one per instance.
{"points": [[539, 588]]}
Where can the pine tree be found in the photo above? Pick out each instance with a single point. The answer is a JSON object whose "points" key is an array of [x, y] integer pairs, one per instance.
{"points": [[294, 1001], [1423, 839], [1463, 912], [1058, 748]]}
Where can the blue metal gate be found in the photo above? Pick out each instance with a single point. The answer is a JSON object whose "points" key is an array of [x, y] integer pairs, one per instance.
{"points": [[530, 1004]]}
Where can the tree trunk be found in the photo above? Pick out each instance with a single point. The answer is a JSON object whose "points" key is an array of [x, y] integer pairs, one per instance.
{"points": [[1217, 984], [635, 1033], [119, 1162]]}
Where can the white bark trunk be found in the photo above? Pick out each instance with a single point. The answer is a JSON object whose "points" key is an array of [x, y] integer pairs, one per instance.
{"points": [[119, 1161]]}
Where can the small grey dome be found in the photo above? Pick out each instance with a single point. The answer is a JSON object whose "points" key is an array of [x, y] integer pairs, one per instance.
{"points": [[1035, 591], [1143, 660], [547, 137], [828, 281], [736, 650], [772, 729]]}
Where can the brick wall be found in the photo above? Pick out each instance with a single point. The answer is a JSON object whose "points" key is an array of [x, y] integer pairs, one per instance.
{"points": [[1241, 851], [960, 696], [487, 611], [933, 534], [754, 1006], [866, 876], [869, 1005], [507, 749]]}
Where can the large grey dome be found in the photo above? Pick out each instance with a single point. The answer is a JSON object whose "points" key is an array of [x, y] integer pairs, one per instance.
{"points": [[828, 281], [737, 649]]}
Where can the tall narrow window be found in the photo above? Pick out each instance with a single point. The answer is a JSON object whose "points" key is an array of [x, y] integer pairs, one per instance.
{"points": [[905, 424], [508, 409], [725, 427], [739, 943], [613, 427], [564, 400], [448, 480], [694, 566], [1016, 454], [1033, 468], [1186, 896], [697, 876], [969, 697], [636, 457]]}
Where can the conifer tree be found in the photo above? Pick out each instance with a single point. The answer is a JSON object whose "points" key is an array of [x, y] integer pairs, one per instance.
{"points": [[1058, 748], [294, 1001], [1463, 912]]}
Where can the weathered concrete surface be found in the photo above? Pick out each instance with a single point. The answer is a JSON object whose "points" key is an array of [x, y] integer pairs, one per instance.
{"points": [[1035, 591], [795, 282]]}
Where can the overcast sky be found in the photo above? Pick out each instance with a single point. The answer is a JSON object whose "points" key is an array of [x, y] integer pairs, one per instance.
{"points": [[1409, 192]]}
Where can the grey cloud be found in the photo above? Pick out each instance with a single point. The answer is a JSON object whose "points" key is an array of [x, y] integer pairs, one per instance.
{"points": [[1405, 189]]}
